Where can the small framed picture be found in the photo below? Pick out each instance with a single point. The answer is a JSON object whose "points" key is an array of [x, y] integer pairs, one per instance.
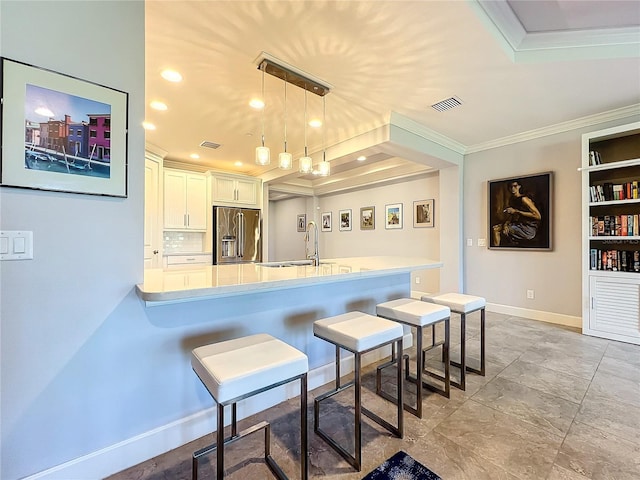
{"points": [[326, 222], [423, 213], [345, 220], [368, 218], [302, 222], [393, 216]]}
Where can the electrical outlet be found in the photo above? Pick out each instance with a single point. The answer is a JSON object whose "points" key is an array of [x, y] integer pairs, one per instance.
{"points": [[482, 242], [417, 280], [530, 294]]}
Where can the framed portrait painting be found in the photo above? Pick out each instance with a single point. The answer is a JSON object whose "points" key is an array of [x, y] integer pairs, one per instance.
{"points": [[61, 133], [520, 212], [345, 220], [302, 222], [393, 216], [368, 218], [326, 222], [423, 213]]}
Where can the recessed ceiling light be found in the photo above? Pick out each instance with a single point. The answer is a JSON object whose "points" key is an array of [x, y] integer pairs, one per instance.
{"points": [[238, 164], [148, 126], [315, 123], [361, 158], [171, 76], [195, 156], [156, 105], [256, 103]]}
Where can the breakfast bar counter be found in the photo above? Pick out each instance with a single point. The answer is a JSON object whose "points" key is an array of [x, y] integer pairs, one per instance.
{"points": [[163, 286], [213, 303]]}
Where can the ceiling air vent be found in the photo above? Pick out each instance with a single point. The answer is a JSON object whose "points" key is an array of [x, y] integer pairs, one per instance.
{"points": [[447, 104], [210, 144]]}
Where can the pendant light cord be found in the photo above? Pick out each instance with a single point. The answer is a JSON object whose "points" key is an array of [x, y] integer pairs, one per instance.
{"points": [[264, 105], [285, 113], [305, 123], [324, 128]]}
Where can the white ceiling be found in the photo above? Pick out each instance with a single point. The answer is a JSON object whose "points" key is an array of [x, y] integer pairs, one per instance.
{"points": [[517, 67]]}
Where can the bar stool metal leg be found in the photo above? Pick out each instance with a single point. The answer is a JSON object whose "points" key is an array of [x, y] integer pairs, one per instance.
{"points": [[355, 460]]}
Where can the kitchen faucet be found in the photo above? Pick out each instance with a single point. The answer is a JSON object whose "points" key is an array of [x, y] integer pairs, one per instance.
{"points": [[315, 256]]}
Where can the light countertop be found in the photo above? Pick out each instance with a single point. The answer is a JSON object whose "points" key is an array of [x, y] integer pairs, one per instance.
{"points": [[210, 281]]}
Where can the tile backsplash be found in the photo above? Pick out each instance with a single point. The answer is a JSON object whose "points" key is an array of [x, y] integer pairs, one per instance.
{"points": [[183, 242]]}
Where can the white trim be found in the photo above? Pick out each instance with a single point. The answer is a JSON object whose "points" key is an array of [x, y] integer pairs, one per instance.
{"points": [[617, 114], [522, 46], [130, 452], [548, 317], [418, 129]]}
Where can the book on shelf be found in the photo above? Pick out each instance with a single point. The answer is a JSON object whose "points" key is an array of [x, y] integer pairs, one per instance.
{"points": [[594, 158], [608, 191], [615, 225], [614, 260]]}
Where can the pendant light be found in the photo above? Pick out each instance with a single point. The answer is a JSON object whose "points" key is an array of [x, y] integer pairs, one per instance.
{"points": [[305, 163], [285, 159], [324, 168], [263, 156]]}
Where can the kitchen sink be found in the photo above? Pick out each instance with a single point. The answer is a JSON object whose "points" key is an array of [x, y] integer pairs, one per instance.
{"points": [[290, 263]]}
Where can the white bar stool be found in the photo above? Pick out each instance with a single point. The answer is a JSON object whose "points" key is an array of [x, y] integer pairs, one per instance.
{"points": [[463, 304], [358, 333], [417, 314], [240, 368]]}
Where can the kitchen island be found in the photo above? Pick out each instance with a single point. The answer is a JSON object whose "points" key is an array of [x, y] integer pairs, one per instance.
{"points": [[213, 281], [208, 304]]}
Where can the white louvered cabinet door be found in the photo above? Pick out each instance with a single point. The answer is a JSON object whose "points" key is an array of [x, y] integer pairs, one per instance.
{"points": [[615, 307]]}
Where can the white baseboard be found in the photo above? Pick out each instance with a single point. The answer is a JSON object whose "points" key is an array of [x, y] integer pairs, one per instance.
{"points": [[135, 450], [549, 317]]}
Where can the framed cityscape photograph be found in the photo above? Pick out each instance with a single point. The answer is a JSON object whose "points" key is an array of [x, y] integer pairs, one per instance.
{"points": [[423, 213], [345, 220], [368, 218], [302, 222], [61, 133], [326, 222], [393, 216], [520, 212]]}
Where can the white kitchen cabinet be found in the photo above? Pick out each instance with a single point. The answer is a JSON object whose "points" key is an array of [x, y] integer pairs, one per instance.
{"points": [[185, 200], [235, 190], [611, 233]]}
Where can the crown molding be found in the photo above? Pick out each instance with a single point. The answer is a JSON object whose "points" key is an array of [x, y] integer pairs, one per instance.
{"points": [[416, 128], [599, 118], [521, 46]]}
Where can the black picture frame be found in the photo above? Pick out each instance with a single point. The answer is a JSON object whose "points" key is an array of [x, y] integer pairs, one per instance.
{"points": [[301, 222], [520, 212]]}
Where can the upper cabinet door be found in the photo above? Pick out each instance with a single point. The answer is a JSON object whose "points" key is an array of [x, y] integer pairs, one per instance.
{"points": [[247, 192], [224, 189], [175, 199], [185, 201], [197, 202]]}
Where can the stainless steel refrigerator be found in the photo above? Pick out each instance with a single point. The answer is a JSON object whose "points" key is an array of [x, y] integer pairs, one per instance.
{"points": [[236, 235]]}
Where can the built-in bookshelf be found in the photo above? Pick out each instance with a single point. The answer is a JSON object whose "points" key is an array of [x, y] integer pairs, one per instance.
{"points": [[611, 233]]}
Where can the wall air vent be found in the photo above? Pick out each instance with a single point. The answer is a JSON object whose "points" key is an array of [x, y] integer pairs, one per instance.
{"points": [[210, 144], [447, 104]]}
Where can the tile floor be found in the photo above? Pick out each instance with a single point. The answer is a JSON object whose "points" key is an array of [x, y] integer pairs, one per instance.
{"points": [[554, 405]]}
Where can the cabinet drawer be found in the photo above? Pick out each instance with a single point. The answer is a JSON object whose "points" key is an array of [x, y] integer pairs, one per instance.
{"points": [[181, 260]]}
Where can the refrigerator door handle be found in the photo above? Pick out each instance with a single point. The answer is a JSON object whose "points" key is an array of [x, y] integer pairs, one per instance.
{"points": [[241, 233]]}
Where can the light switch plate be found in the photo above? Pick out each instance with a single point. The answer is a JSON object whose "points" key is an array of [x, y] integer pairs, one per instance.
{"points": [[16, 245], [482, 242]]}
